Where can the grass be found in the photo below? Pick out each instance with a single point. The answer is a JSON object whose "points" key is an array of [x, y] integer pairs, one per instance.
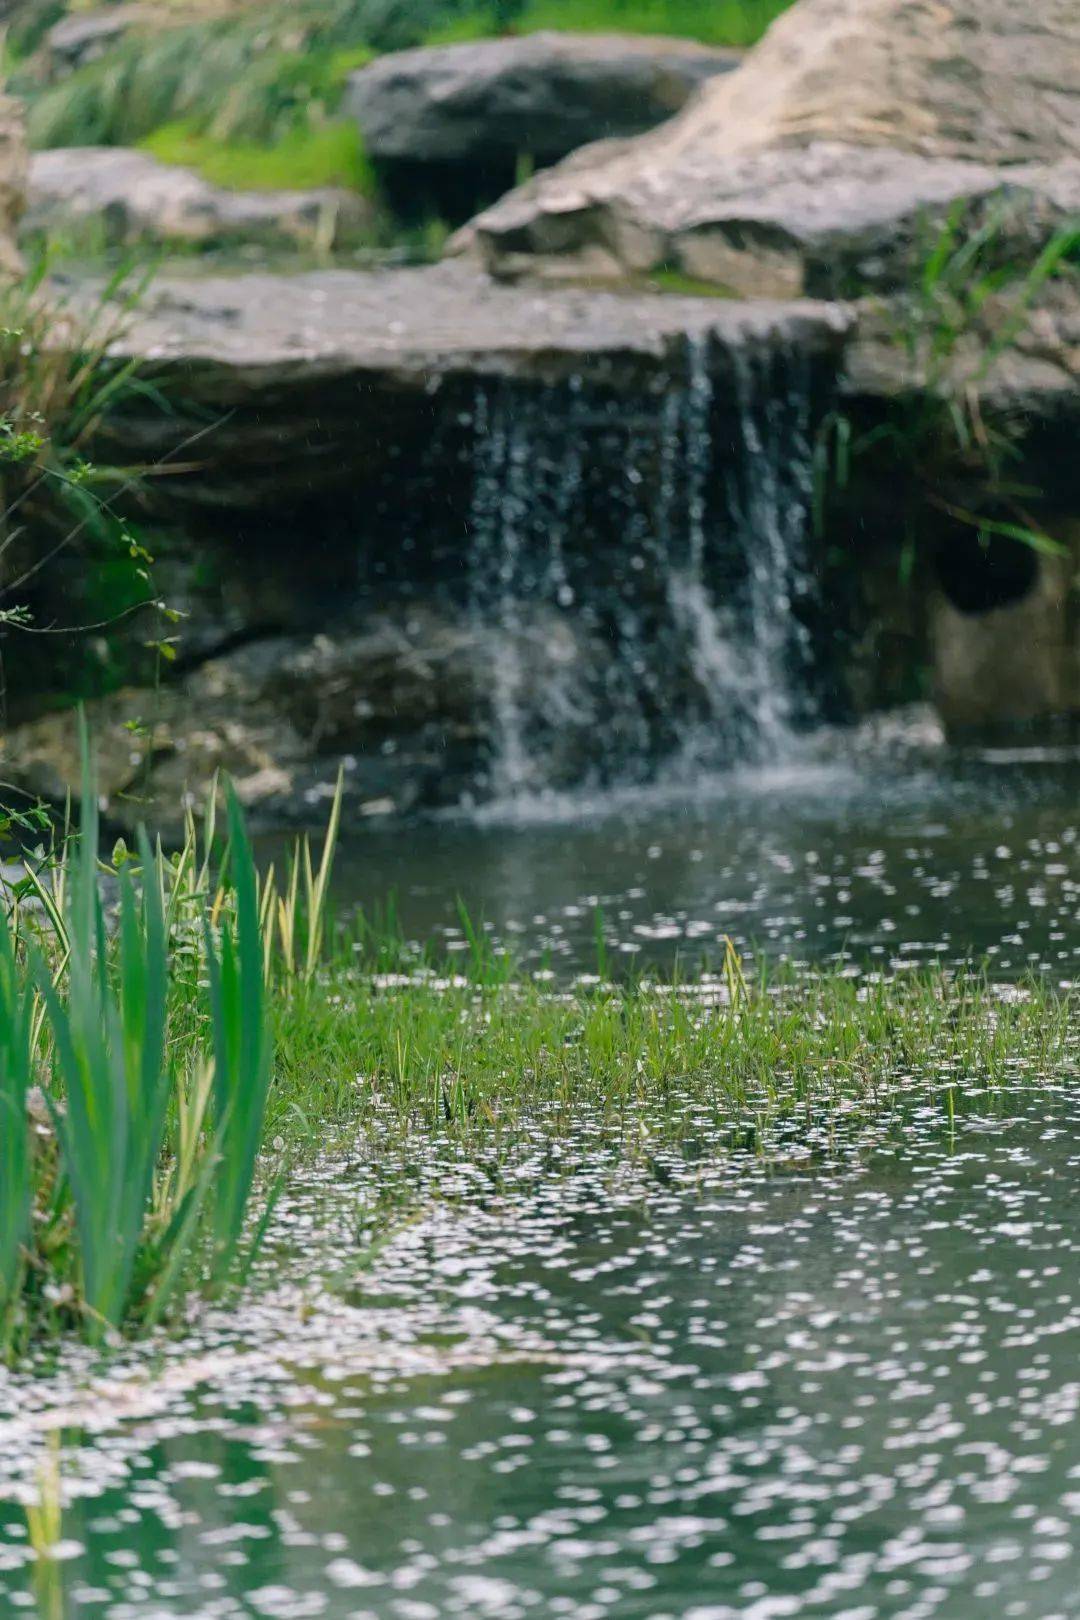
{"points": [[251, 77], [964, 309], [723, 22], [331, 155], [483, 1052]]}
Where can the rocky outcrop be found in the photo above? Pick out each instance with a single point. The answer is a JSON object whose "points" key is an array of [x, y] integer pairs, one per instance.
{"points": [[343, 449], [124, 197], [12, 182], [853, 122], [541, 95], [1003, 637]]}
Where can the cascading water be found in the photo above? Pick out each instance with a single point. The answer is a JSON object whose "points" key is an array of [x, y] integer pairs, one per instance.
{"points": [[640, 578]]}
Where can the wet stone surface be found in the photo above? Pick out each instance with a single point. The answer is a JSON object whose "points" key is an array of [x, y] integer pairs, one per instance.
{"points": [[699, 1387]]}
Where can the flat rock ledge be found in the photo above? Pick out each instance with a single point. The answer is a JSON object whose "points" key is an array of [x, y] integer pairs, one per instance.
{"points": [[333, 375], [124, 197]]}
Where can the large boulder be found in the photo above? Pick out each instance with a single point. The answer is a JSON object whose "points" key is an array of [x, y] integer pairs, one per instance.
{"points": [[12, 181], [542, 94], [125, 197], [851, 123], [453, 122]]}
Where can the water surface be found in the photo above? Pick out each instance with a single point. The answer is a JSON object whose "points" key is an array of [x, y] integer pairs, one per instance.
{"points": [[699, 1390], [886, 854]]}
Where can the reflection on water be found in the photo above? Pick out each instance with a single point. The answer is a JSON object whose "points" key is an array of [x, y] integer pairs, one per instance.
{"points": [[892, 854], [703, 1391]]}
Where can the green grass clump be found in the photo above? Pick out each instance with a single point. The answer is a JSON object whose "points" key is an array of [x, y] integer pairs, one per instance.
{"points": [[332, 155], [253, 77], [480, 1050], [723, 22]]}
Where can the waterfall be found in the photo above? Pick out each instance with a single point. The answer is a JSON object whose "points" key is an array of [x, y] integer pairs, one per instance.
{"points": [[640, 577]]}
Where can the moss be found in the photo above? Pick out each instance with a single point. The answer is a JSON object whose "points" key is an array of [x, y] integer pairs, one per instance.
{"points": [[679, 285]]}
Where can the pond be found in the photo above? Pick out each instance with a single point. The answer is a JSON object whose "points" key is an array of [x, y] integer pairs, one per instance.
{"points": [[888, 850], [835, 1379], [710, 1390]]}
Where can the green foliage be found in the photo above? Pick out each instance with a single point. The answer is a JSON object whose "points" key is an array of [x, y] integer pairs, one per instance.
{"points": [[16, 1077], [242, 1053], [58, 505], [724, 22], [331, 155], [140, 1014], [251, 77], [109, 1039]]}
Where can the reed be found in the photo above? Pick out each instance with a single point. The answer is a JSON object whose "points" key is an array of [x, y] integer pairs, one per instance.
{"points": [[111, 1079], [134, 998], [16, 1078]]}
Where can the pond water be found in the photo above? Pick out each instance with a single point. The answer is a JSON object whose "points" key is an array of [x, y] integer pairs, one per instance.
{"points": [[889, 851], [841, 1383], [699, 1391]]}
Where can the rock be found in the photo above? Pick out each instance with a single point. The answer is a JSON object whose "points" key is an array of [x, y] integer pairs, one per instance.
{"points": [[1003, 640], [129, 197], [542, 94], [401, 703], [449, 125], [850, 121], [358, 439], [12, 182], [85, 36]]}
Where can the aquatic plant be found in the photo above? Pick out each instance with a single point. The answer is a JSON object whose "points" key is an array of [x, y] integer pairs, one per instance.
{"points": [[400, 1041], [242, 1052], [135, 1003], [108, 1032], [16, 1079]]}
